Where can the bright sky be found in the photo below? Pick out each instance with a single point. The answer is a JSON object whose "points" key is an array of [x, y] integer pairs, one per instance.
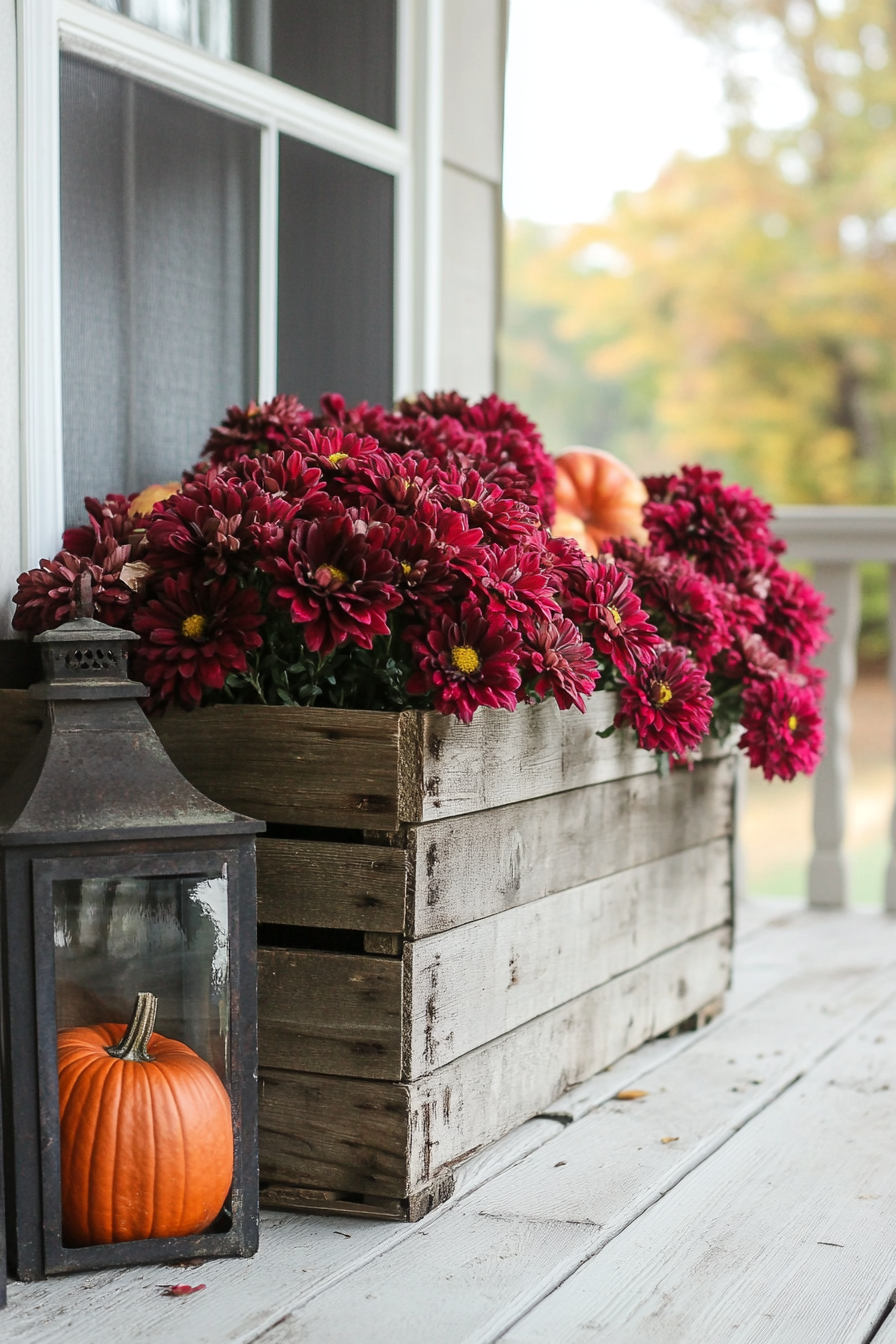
{"points": [[601, 94]]}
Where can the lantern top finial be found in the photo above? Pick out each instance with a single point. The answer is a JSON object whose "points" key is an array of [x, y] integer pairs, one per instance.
{"points": [[85, 659]]}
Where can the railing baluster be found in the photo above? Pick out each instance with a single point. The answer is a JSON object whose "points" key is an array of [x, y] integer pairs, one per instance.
{"points": [[890, 885], [828, 871]]}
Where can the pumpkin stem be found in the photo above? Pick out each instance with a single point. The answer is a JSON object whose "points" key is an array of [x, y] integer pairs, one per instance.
{"points": [[135, 1040]]}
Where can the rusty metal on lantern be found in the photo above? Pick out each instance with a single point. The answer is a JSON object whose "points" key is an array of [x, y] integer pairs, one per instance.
{"points": [[129, 1019]]}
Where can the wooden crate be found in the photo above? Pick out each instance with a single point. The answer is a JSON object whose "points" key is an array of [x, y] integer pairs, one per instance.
{"points": [[455, 924]]}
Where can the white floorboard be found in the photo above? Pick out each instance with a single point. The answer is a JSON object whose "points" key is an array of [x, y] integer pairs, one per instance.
{"points": [[785, 1236]]}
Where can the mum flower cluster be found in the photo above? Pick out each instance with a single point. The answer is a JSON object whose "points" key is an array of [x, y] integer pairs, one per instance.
{"points": [[382, 559], [713, 585]]}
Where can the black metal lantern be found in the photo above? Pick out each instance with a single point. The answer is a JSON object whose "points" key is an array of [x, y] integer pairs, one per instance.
{"points": [[126, 896]]}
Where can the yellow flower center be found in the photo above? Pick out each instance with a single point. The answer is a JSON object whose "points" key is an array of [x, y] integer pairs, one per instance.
{"points": [[336, 575], [793, 723], [662, 693], [473, 503], [615, 614], [405, 567], [464, 659], [193, 627], [336, 458]]}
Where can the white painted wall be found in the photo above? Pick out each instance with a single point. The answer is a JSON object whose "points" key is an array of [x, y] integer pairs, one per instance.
{"points": [[10, 526], [473, 127]]}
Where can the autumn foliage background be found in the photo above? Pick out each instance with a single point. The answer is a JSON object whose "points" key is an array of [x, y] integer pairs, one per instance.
{"points": [[742, 311]]}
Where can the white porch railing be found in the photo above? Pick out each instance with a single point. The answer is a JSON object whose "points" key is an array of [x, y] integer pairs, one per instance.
{"points": [[836, 540]]}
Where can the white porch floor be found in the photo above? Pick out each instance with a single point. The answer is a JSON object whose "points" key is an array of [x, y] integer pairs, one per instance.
{"points": [[750, 1195]]}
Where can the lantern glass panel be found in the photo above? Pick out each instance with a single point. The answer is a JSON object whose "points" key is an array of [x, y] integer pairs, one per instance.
{"points": [[117, 934], [116, 937]]}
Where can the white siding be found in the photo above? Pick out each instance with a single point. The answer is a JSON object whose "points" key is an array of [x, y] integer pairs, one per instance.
{"points": [[473, 113], [10, 527], [470, 265]]}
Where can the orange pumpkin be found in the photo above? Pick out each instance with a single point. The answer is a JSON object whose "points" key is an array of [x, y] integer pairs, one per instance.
{"points": [[598, 497], [146, 1136], [142, 504]]}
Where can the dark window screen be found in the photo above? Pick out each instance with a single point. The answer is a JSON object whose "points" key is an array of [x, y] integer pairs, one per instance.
{"points": [[335, 285], [159, 279], [341, 50]]}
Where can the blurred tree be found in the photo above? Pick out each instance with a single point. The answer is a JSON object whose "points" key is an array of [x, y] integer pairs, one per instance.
{"points": [[743, 310]]}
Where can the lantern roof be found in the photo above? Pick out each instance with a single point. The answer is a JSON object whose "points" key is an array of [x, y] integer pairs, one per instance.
{"points": [[98, 771]]}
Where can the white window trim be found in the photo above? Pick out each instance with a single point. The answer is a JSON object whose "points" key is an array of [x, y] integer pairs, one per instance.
{"points": [[411, 154]]}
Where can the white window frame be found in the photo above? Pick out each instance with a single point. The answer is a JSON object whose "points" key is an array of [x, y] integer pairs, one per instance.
{"points": [[411, 153]]}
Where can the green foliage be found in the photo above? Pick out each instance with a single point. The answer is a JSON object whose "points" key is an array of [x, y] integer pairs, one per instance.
{"points": [[288, 673]]}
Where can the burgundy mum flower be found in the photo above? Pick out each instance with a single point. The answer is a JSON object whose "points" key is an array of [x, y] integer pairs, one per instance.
{"points": [[683, 603], [194, 634], [424, 571], [724, 529], [668, 704], [284, 474], [337, 580], [363, 419], [109, 517], [783, 730], [504, 521], [224, 525], [556, 661], [48, 596], [466, 661], [519, 582], [569, 566], [257, 429], [795, 615], [401, 482], [618, 624]]}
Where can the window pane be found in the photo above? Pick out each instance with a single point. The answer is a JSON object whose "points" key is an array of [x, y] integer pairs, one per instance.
{"points": [[336, 269], [341, 50], [159, 279], [202, 23]]}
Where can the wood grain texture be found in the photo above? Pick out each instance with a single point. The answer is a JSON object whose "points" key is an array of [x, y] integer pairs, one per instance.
{"points": [[309, 767], [785, 1236], [482, 980], [330, 885], [470, 867], [551, 1211], [503, 758], [341, 1134], [484, 1094], [328, 1012]]}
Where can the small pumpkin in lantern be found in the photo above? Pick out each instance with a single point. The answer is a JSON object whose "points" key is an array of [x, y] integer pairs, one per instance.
{"points": [[598, 497], [146, 1135]]}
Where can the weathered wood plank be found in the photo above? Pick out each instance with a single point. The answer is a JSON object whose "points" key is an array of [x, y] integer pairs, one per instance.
{"points": [[503, 758], [479, 981], [329, 1012], [785, 1235], [331, 886], [469, 867], [487, 1260], [343, 1134], [310, 767], [486, 1092]]}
